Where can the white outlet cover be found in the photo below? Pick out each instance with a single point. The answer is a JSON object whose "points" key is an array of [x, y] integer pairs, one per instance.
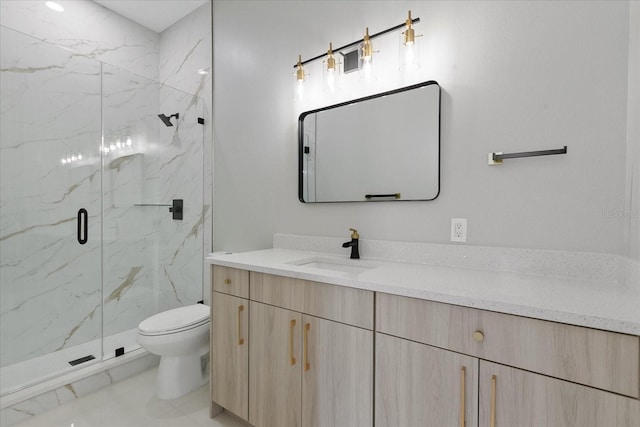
{"points": [[459, 230]]}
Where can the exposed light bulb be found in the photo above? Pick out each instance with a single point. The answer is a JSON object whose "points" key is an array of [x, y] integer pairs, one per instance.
{"points": [[74, 158], [112, 147], [63, 161], [300, 89], [79, 156], [119, 144], [129, 142], [409, 48]]}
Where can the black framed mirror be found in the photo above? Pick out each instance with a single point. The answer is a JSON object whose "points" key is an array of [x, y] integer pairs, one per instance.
{"points": [[383, 147]]}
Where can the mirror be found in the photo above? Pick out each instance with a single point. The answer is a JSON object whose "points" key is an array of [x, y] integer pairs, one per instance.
{"points": [[384, 147]]}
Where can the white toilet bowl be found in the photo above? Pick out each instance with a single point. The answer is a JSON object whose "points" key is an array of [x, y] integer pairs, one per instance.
{"points": [[181, 338]]}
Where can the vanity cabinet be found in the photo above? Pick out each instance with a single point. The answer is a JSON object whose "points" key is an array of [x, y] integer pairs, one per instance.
{"points": [[230, 353], [307, 356], [421, 385], [229, 383], [569, 376], [317, 341], [514, 397], [307, 371], [292, 352]]}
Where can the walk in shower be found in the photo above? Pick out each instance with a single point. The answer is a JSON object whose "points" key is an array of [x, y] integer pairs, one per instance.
{"points": [[89, 174]]}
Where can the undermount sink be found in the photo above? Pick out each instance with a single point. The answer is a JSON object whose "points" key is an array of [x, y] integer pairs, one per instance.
{"points": [[345, 265]]}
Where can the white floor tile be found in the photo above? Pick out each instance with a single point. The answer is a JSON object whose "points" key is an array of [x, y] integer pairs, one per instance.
{"points": [[132, 403]]}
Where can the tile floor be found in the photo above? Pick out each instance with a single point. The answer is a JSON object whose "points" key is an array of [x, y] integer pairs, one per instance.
{"points": [[132, 403]]}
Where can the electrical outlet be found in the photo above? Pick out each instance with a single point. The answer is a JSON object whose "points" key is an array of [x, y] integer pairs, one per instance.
{"points": [[458, 229]]}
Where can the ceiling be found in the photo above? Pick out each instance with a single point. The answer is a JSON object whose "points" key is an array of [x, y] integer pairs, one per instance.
{"points": [[156, 15]]}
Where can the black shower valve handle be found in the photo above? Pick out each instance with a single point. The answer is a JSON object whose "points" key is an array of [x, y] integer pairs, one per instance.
{"points": [[176, 208]]}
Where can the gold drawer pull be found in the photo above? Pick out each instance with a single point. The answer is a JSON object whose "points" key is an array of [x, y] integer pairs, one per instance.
{"points": [[307, 366], [292, 359], [492, 423], [240, 339], [227, 281], [478, 336], [462, 404]]}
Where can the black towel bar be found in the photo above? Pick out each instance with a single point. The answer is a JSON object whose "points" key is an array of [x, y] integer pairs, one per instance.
{"points": [[497, 158]]}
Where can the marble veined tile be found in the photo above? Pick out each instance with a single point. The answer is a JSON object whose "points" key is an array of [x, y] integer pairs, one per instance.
{"points": [[88, 29], [50, 110]]}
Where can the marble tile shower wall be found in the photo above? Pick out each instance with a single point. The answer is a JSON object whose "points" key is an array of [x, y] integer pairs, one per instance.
{"points": [[185, 63], [88, 29], [44, 270], [151, 262]]}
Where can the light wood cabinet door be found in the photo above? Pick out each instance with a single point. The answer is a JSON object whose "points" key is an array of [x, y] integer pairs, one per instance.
{"points": [[596, 358], [230, 353], [337, 374], [420, 385], [274, 366], [513, 397]]}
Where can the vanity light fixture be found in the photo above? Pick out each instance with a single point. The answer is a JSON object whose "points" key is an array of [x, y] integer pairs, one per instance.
{"points": [[364, 48], [331, 71], [409, 53], [300, 80], [54, 6], [367, 49], [409, 34]]}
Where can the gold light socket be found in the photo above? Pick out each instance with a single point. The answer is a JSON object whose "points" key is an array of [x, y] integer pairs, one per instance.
{"points": [[300, 70], [331, 61], [409, 33], [367, 49]]}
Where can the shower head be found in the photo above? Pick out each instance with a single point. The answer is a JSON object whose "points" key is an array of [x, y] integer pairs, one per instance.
{"points": [[167, 119]]}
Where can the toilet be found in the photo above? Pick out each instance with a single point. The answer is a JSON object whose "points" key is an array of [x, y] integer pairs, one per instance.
{"points": [[181, 338]]}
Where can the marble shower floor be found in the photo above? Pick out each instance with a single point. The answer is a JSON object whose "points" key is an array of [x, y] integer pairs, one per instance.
{"points": [[132, 403]]}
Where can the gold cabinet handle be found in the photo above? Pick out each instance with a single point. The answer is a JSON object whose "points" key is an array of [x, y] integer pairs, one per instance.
{"points": [[463, 371], [307, 366], [492, 423], [478, 336], [227, 281], [292, 359], [240, 339]]}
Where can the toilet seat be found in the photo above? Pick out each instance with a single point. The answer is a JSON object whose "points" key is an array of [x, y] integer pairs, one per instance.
{"points": [[176, 320]]}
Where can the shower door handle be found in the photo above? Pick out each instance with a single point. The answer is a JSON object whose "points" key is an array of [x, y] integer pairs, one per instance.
{"points": [[83, 226]]}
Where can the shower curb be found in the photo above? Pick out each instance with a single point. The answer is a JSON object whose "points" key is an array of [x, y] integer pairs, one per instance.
{"points": [[24, 404]]}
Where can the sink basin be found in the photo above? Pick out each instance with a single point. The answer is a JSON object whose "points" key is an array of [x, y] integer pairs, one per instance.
{"points": [[345, 265]]}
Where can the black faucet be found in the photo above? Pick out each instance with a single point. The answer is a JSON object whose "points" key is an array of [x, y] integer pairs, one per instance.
{"points": [[353, 244]]}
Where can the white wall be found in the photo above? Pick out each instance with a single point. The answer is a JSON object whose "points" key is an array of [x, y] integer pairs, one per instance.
{"points": [[515, 76]]}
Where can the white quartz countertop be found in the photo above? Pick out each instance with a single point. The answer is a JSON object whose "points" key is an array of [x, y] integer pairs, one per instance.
{"points": [[590, 303]]}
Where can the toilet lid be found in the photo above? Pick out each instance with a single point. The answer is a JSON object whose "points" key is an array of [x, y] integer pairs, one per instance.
{"points": [[178, 318]]}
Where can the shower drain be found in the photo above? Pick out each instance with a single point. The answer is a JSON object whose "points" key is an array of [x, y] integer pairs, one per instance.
{"points": [[81, 360]]}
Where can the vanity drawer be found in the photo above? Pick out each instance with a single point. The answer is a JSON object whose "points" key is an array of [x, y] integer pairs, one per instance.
{"points": [[231, 281], [338, 303], [601, 359]]}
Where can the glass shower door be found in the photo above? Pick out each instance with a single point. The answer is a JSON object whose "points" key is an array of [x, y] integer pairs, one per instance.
{"points": [[50, 211], [152, 203]]}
